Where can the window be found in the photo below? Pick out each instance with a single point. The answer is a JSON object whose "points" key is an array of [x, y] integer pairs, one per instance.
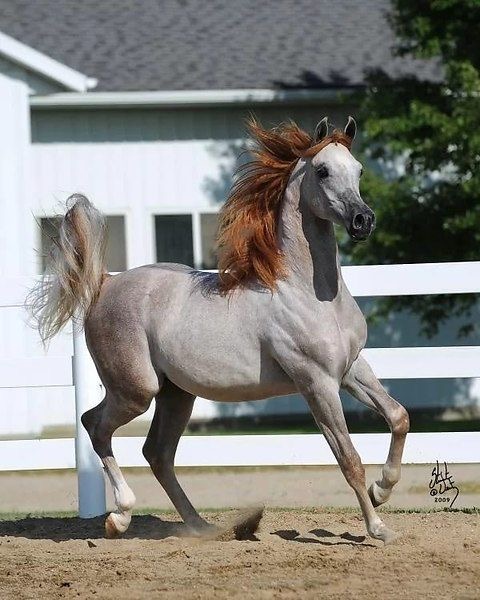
{"points": [[174, 239], [208, 230], [116, 245], [116, 255], [187, 239]]}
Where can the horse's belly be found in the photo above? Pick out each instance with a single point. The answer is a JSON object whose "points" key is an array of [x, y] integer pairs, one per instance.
{"points": [[234, 392], [232, 376]]}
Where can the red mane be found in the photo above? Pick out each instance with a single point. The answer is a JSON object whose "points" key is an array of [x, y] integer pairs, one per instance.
{"points": [[247, 239]]}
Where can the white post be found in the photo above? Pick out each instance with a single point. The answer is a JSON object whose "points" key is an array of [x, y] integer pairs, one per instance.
{"points": [[88, 393], [197, 241]]}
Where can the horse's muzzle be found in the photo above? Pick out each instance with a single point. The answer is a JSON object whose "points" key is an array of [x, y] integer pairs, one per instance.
{"points": [[362, 225]]}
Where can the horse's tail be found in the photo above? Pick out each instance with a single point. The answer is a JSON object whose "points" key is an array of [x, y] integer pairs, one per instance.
{"points": [[75, 272]]}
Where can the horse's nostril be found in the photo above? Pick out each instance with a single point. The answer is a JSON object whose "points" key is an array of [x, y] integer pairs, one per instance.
{"points": [[358, 221]]}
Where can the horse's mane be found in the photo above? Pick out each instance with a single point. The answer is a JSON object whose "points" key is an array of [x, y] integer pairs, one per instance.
{"points": [[247, 235]]}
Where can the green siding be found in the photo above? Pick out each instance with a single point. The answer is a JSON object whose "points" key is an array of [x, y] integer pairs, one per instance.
{"points": [[123, 125]]}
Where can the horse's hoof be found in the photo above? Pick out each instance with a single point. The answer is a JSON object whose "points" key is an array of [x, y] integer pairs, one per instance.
{"points": [[116, 524], [386, 535], [205, 530], [378, 495], [248, 524], [371, 493], [111, 530], [243, 527], [390, 536]]}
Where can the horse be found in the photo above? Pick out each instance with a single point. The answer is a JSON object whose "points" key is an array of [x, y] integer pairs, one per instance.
{"points": [[276, 319]]}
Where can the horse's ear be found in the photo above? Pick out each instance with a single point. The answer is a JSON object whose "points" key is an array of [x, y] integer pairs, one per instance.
{"points": [[321, 130], [351, 128]]}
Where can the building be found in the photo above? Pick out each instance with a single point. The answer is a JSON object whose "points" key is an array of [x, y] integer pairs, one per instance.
{"points": [[141, 106]]}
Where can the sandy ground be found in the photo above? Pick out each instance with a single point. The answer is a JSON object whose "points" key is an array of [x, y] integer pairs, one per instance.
{"points": [[225, 488], [295, 554]]}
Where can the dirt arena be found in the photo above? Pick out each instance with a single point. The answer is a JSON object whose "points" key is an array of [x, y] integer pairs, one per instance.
{"points": [[296, 553]]}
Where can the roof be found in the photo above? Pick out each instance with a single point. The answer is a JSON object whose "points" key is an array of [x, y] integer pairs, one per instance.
{"points": [[129, 45], [45, 66]]}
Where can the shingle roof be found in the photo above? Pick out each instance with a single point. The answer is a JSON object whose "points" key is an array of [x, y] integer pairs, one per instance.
{"points": [[212, 44]]}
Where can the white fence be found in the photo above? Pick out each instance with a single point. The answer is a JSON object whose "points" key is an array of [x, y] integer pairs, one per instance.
{"points": [[307, 449]]}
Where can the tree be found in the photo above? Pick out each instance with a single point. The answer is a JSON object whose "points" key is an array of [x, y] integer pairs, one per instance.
{"points": [[425, 136]]}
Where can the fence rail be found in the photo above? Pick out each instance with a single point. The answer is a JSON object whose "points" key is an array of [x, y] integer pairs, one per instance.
{"points": [[307, 449], [365, 280], [43, 371], [248, 450], [413, 279], [388, 363]]}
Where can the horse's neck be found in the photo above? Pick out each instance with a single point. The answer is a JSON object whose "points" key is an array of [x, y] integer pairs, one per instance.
{"points": [[309, 245]]}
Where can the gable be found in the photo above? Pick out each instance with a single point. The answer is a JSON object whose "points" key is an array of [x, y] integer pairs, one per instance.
{"points": [[40, 72]]}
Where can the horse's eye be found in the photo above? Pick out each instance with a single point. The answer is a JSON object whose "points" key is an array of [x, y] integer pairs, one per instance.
{"points": [[322, 171], [361, 172]]}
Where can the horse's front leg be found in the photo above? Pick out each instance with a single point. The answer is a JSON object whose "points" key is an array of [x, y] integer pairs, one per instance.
{"points": [[320, 384], [362, 383], [325, 404]]}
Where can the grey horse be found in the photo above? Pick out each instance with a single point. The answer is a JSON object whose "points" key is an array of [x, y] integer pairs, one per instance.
{"points": [[277, 319]]}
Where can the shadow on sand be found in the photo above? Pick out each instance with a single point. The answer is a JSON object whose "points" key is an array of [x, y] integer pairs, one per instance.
{"points": [[347, 539], [242, 525], [73, 528]]}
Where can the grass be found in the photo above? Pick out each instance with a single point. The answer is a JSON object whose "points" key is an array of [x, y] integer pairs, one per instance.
{"points": [[356, 424], [465, 487], [370, 424], [470, 487]]}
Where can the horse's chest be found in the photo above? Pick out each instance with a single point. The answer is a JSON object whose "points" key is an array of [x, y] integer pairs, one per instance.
{"points": [[352, 328], [331, 334]]}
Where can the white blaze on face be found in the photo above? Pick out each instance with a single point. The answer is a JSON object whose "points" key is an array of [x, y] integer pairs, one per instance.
{"points": [[341, 182], [343, 168]]}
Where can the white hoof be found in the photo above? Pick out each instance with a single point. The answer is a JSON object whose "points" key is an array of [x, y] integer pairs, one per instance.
{"points": [[383, 533], [117, 523], [378, 495]]}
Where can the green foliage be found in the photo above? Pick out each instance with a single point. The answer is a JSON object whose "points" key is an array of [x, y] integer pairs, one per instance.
{"points": [[425, 137]]}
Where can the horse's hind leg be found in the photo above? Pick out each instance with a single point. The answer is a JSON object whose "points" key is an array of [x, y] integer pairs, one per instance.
{"points": [[172, 413], [361, 382], [101, 422]]}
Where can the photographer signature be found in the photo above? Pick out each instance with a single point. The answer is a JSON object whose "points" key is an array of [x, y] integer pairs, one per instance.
{"points": [[442, 482]]}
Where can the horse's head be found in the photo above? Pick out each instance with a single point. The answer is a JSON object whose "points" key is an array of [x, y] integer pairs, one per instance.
{"points": [[332, 179]]}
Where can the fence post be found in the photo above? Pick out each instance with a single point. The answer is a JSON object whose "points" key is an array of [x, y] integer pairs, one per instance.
{"points": [[88, 393]]}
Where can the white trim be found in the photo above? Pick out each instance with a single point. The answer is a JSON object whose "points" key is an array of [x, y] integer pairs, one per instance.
{"points": [[250, 450], [44, 65], [175, 98], [182, 210]]}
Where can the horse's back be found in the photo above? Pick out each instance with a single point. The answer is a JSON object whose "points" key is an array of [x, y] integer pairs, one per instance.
{"points": [[172, 321], [125, 295]]}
